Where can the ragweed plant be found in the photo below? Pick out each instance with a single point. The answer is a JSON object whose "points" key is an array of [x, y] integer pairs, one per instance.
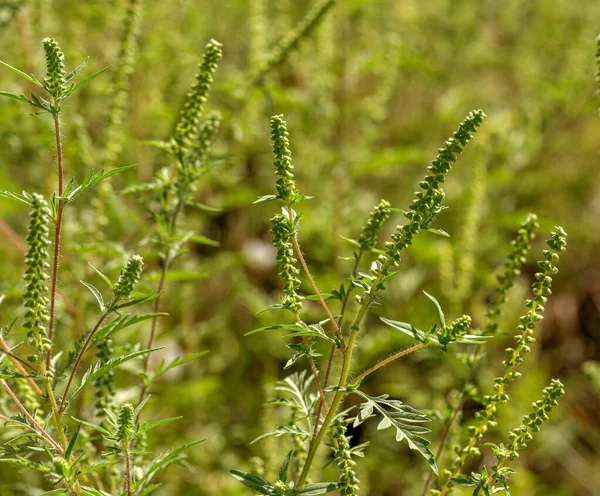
{"points": [[42, 380], [324, 413]]}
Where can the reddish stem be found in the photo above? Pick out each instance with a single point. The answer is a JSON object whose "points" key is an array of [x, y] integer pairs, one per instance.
{"points": [[59, 212]]}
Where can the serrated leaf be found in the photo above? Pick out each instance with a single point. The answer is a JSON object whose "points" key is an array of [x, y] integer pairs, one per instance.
{"points": [[403, 418], [177, 362]]}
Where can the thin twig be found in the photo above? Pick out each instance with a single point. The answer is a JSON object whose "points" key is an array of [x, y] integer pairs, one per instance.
{"points": [[80, 355], [47, 436], [18, 363]]}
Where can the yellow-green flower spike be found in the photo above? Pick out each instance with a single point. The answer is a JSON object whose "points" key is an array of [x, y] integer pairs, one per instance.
{"points": [[286, 185], [282, 233], [348, 482], [35, 299], [55, 78], [512, 268], [428, 202], [129, 277], [368, 235], [186, 129]]}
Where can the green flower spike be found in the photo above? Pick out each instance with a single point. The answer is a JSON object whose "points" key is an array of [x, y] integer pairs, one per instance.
{"points": [[486, 418], [126, 422], [129, 277], [35, 300], [282, 233], [428, 203], [512, 268], [348, 482], [56, 75], [286, 186], [520, 436], [368, 236], [454, 331], [186, 129]]}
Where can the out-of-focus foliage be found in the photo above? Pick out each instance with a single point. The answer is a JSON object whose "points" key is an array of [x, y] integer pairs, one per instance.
{"points": [[369, 94]]}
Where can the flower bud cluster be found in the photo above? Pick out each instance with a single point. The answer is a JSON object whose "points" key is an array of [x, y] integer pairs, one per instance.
{"points": [[126, 422], [55, 79], [282, 234], [486, 418], [348, 482], [368, 236], [512, 268], [293, 38], [520, 436], [129, 277], [35, 299], [428, 202], [105, 390], [454, 331], [186, 129], [286, 186]]}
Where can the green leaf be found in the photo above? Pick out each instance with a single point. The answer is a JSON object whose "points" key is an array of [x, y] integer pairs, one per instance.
{"points": [[86, 80], [99, 369], [439, 308], [403, 418], [24, 197], [96, 294], [103, 276], [252, 481], [176, 363], [266, 198], [278, 327], [77, 70], [152, 425], [318, 488], [283, 470], [203, 240], [20, 98], [353, 242], [439, 232], [29, 78], [72, 442]]}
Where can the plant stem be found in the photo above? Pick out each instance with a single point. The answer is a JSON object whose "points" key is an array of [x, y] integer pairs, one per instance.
{"points": [[57, 229], [47, 436], [159, 289], [453, 418], [388, 360], [333, 345], [337, 399], [127, 482], [17, 362], [315, 288], [80, 355]]}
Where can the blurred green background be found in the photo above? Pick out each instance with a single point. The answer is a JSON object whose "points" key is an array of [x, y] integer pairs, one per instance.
{"points": [[369, 97]]}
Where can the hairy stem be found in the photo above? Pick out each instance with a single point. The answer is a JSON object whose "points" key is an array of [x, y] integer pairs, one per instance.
{"points": [[337, 399], [18, 363], [46, 436], [127, 482], [388, 360], [57, 229], [315, 288], [80, 355]]}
